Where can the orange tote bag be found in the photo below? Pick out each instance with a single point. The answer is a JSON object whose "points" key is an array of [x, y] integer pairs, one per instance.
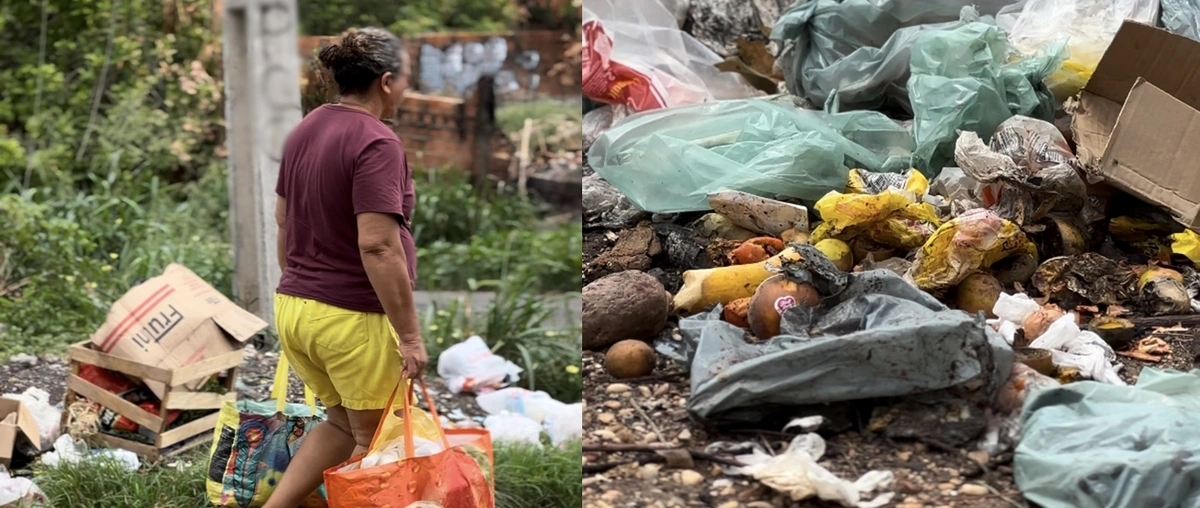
{"points": [[460, 475]]}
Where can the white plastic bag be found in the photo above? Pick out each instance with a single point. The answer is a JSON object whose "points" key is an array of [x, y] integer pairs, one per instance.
{"points": [[67, 451], [634, 53], [512, 428], [797, 474], [1088, 25], [566, 425], [44, 413], [535, 405], [13, 490], [394, 452], [471, 366]]}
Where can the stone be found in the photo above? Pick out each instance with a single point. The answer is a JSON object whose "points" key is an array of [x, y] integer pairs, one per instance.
{"points": [[611, 496], [690, 478], [685, 435], [624, 305], [904, 455], [605, 418], [979, 457], [974, 489], [612, 404], [649, 471], [23, 360], [729, 504], [617, 388], [945, 487]]}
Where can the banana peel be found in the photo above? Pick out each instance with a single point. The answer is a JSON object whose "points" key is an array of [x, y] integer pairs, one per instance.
{"points": [[704, 288]]}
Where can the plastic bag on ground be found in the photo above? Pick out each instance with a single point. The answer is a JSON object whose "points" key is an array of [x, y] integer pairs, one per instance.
{"points": [[860, 48], [1182, 17], [537, 406], [976, 239], [47, 416], [14, 491], [1034, 166], [1092, 444], [1003, 428], [605, 206], [797, 474], [635, 54], [670, 161], [888, 211], [511, 428], [882, 337], [67, 451], [1088, 26], [962, 79], [471, 366]]}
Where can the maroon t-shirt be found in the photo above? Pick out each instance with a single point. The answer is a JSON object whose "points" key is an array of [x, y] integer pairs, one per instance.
{"points": [[337, 163]]}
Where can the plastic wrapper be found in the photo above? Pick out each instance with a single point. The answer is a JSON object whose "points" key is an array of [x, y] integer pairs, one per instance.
{"points": [[880, 337], [565, 426], [635, 54], [69, 451], [537, 406], [976, 239], [670, 161], [1097, 445], [797, 474], [605, 206], [962, 80], [963, 192], [18, 491], [1034, 166], [1086, 278], [889, 211], [1182, 17], [1087, 26], [471, 366], [861, 48], [1187, 244], [719, 24]]}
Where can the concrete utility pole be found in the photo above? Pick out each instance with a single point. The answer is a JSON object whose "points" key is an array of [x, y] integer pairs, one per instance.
{"points": [[262, 105]]}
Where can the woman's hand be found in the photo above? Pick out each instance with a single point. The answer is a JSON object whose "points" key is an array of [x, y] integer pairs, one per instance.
{"points": [[415, 358]]}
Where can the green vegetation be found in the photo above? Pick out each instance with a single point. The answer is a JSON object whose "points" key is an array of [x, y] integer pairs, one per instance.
{"points": [[525, 476]]}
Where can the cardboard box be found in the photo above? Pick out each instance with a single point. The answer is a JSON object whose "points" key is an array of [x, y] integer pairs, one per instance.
{"points": [[1137, 121], [13, 433], [172, 321]]}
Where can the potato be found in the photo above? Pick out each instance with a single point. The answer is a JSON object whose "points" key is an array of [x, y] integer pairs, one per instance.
{"points": [[774, 296], [737, 312], [624, 305], [978, 293], [838, 252], [629, 358]]}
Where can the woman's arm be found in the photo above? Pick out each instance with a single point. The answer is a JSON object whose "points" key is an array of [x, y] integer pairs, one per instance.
{"points": [[281, 242]]}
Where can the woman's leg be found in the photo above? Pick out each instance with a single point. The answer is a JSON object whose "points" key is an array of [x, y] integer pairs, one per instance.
{"points": [[328, 444]]}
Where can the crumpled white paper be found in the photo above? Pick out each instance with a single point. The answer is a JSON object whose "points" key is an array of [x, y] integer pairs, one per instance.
{"points": [[1069, 346], [797, 474]]}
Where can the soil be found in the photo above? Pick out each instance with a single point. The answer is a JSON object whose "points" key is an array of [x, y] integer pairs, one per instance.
{"points": [[651, 412]]}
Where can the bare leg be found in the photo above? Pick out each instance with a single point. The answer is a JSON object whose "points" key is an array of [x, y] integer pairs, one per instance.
{"points": [[362, 426], [330, 443]]}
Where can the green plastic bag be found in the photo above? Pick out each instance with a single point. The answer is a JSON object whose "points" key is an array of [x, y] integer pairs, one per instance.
{"points": [[962, 80], [670, 160]]}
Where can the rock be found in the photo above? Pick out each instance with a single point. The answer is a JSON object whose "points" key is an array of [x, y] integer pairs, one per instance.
{"points": [[23, 360], [625, 305], [974, 489], [649, 471], [685, 435], [605, 435], [617, 388], [729, 504], [633, 251], [979, 457], [904, 455], [605, 418], [690, 478], [945, 487], [612, 404], [611, 496]]}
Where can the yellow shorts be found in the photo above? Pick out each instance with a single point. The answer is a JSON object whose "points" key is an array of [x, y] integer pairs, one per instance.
{"points": [[346, 357]]}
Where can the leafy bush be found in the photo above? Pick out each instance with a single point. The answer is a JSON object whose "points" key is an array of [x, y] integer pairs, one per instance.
{"points": [[331, 17], [539, 476], [552, 258], [450, 209]]}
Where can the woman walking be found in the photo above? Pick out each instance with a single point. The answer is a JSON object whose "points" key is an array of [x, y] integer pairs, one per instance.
{"points": [[344, 307]]}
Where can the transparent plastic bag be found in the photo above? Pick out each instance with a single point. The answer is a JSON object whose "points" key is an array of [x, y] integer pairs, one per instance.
{"points": [[1182, 17], [471, 366], [670, 161], [635, 54], [860, 48], [1087, 27], [962, 79]]}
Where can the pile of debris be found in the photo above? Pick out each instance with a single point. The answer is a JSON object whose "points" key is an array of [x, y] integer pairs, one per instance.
{"points": [[982, 235]]}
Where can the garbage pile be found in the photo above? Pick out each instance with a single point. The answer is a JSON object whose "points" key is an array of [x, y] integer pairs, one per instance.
{"points": [[980, 205]]}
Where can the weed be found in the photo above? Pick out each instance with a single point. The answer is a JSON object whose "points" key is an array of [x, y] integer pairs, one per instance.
{"points": [[538, 476]]}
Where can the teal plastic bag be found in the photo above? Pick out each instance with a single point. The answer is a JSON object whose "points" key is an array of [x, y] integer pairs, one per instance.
{"points": [[1092, 445], [670, 160], [962, 80]]}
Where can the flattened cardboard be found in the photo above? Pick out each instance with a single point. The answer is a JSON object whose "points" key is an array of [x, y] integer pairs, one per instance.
{"points": [[1137, 121], [25, 429], [172, 321]]}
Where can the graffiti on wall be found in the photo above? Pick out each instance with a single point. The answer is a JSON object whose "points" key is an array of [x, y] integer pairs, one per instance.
{"points": [[456, 68]]}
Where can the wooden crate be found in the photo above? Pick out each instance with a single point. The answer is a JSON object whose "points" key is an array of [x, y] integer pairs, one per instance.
{"points": [[166, 442]]}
